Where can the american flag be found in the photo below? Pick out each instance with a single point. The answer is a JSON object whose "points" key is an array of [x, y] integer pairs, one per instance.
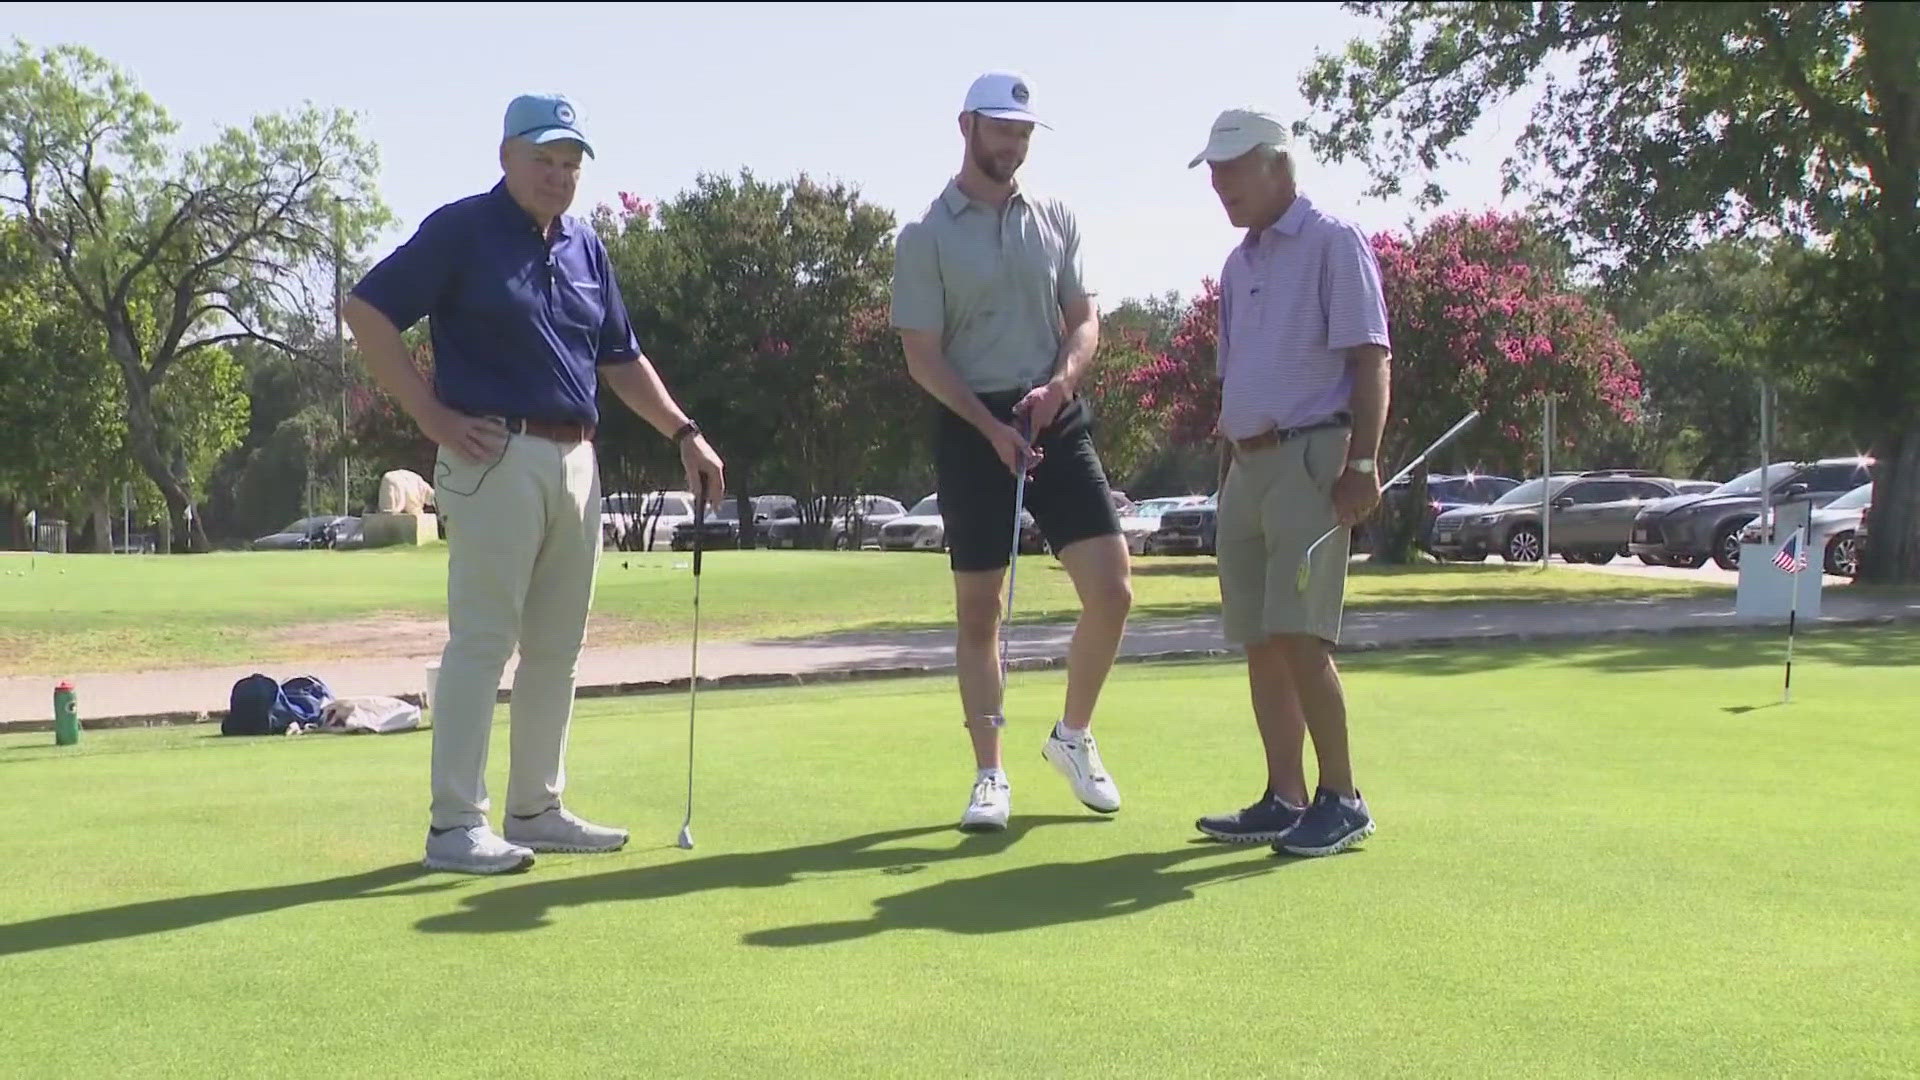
{"points": [[1791, 558]]}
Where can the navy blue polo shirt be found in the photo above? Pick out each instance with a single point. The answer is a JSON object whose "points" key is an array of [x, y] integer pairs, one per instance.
{"points": [[520, 324]]}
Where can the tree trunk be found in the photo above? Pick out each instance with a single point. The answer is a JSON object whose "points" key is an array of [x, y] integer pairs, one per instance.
{"points": [[1892, 553], [102, 526], [143, 438]]}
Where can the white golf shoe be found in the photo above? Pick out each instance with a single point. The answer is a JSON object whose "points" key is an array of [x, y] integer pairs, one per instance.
{"points": [[1077, 758], [474, 849], [989, 805], [557, 830]]}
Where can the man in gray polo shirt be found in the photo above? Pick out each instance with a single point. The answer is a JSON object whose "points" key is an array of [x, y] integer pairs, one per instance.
{"points": [[1304, 386], [991, 303]]}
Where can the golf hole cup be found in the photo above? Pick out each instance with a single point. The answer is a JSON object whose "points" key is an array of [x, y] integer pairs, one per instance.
{"points": [[433, 684]]}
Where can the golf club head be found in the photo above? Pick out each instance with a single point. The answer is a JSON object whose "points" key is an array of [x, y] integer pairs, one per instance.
{"points": [[685, 843]]}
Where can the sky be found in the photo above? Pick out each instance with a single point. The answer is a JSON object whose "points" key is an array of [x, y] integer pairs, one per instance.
{"points": [[867, 94]]}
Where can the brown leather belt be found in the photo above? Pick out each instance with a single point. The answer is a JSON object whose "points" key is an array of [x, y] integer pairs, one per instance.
{"points": [[556, 431], [1276, 436]]}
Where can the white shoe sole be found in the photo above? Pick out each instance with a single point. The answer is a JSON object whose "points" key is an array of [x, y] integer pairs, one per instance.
{"points": [[1064, 766], [555, 848], [454, 866], [1334, 848]]}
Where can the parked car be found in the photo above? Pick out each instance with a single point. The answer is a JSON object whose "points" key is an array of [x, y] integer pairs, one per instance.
{"points": [[1593, 514], [1445, 491], [1139, 524], [1832, 531], [1187, 530], [919, 529], [857, 526], [630, 524], [721, 529], [322, 531], [924, 528], [1687, 530]]}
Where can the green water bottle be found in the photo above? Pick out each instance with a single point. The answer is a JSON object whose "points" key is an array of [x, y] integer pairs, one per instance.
{"points": [[66, 716]]}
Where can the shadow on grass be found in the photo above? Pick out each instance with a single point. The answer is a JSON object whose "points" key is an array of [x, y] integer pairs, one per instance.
{"points": [[1718, 650], [1030, 897], [529, 906], [182, 912]]}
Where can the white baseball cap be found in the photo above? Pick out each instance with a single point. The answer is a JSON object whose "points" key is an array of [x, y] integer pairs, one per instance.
{"points": [[1004, 95], [1238, 131]]}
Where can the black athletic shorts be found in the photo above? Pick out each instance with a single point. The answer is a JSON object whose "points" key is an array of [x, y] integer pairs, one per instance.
{"points": [[1067, 493]]}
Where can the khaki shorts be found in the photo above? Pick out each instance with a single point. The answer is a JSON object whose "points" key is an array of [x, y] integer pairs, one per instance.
{"points": [[1274, 504]]}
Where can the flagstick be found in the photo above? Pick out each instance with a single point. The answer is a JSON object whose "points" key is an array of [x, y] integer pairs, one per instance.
{"points": [[1786, 691]]}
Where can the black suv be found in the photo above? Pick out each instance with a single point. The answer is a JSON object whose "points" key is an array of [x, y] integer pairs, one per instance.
{"points": [[1687, 530]]}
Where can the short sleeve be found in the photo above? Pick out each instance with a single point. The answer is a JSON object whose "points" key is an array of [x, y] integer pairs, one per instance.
{"points": [[1073, 267], [618, 344], [919, 298], [405, 285], [1356, 305]]}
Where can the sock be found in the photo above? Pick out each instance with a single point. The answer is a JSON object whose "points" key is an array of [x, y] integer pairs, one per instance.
{"points": [[1064, 733], [1352, 803], [995, 773]]}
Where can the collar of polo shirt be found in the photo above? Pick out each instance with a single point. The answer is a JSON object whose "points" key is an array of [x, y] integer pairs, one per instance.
{"points": [[957, 201], [1290, 223], [517, 215]]}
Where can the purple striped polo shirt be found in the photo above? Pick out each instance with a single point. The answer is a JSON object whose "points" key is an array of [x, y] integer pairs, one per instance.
{"points": [[1293, 298]]}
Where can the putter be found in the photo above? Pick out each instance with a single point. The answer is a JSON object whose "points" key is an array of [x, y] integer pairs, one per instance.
{"points": [[1013, 574], [1306, 562], [693, 682]]}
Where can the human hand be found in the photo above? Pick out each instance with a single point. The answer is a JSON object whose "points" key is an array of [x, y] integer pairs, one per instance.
{"points": [[1042, 405], [705, 473], [1013, 449], [477, 439], [1355, 494]]}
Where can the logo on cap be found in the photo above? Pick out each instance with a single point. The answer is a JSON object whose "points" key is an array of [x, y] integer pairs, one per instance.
{"points": [[1020, 93], [563, 112]]}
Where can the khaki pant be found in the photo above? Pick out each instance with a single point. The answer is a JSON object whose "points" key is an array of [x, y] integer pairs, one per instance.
{"points": [[1274, 504], [523, 539]]}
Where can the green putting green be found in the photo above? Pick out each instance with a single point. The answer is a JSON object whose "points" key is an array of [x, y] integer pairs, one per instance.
{"points": [[1616, 860]]}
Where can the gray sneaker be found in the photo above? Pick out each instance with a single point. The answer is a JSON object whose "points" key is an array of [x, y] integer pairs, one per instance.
{"points": [[557, 830], [475, 849]]}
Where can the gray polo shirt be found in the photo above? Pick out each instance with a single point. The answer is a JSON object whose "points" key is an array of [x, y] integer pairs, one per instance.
{"points": [[991, 285]]}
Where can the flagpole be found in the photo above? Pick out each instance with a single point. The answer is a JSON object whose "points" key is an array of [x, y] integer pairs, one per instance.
{"points": [[1800, 562]]}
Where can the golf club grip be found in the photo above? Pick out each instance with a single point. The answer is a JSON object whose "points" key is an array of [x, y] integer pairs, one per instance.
{"points": [[699, 525]]}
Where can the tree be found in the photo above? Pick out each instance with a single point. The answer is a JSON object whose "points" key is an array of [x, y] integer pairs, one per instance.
{"points": [[1480, 319], [762, 305], [1179, 386], [174, 256], [1703, 331], [1681, 121]]}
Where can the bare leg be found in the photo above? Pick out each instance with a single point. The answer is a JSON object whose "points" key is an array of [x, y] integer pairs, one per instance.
{"points": [[1277, 710], [1325, 705], [1101, 575], [976, 655]]}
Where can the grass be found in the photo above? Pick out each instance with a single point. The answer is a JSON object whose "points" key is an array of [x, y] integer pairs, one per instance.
{"points": [[1616, 861], [100, 613]]}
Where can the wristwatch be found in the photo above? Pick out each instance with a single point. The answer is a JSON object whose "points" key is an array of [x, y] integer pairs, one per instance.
{"points": [[688, 430], [1364, 466]]}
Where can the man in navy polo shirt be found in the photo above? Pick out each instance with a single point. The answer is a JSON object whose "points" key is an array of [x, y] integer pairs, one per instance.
{"points": [[525, 317]]}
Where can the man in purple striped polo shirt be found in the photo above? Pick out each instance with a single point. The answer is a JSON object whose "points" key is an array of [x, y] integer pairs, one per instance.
{"points": [[1304, 387]]}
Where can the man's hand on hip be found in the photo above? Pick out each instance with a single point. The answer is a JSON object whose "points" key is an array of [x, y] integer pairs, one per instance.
{"points": [[702, 463], [1355, 494], [477, 439]]}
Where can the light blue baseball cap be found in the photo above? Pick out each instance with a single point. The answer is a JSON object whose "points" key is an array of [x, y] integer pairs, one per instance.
{"points": [[544, 118]]}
